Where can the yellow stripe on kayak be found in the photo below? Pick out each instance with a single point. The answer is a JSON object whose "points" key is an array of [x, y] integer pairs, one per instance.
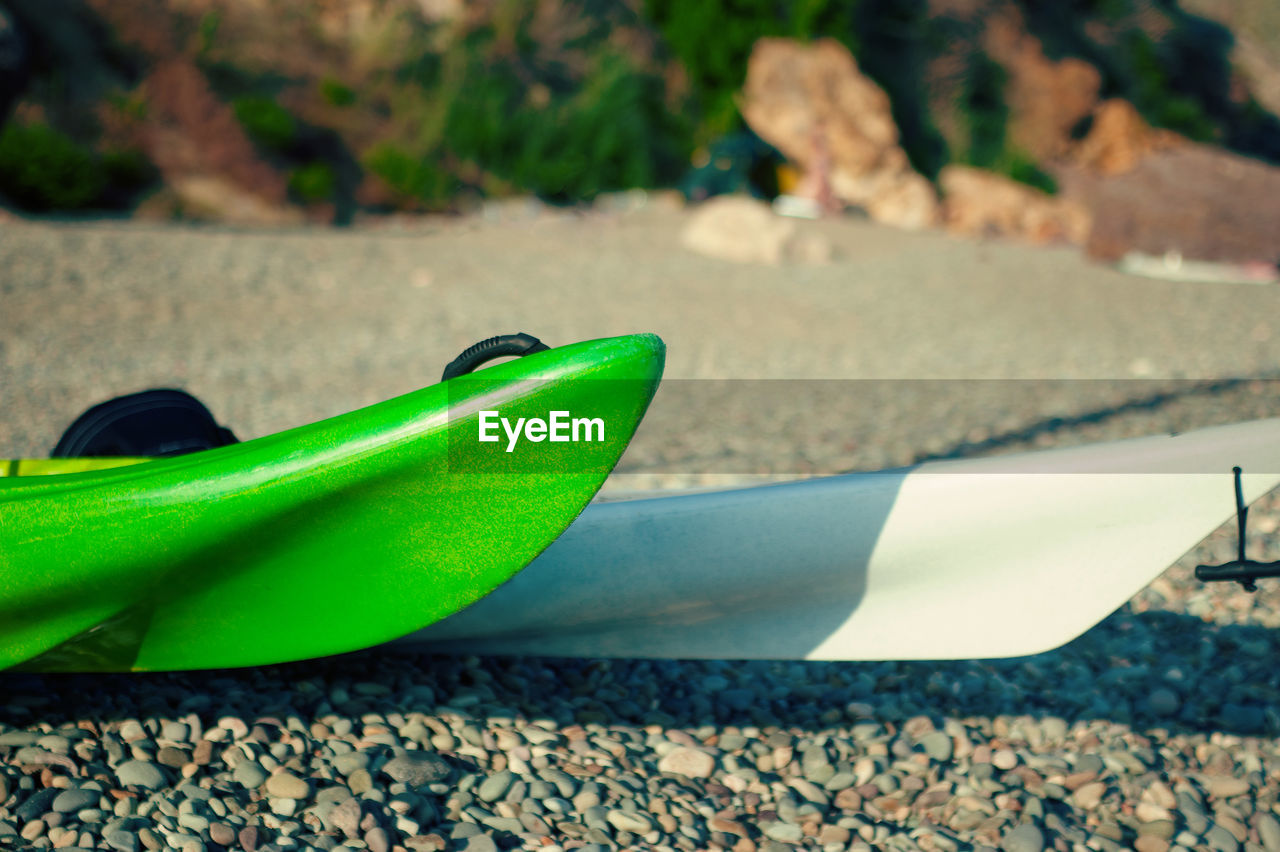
{"points": [[51, 467]]}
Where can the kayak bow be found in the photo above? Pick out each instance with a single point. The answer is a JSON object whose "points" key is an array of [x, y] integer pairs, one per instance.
{"points": [[323, 539]]}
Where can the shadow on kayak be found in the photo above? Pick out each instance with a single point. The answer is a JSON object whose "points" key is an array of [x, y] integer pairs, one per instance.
{"points": [[706, 574]]}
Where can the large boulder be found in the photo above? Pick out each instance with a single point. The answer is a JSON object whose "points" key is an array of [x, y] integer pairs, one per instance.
{"points": [[979, 203], [812, 103], [1118, 138], [1196, 200], [744, 230]]}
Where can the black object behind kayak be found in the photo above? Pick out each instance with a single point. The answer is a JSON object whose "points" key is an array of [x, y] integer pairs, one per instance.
{"points": [[150, 423]]}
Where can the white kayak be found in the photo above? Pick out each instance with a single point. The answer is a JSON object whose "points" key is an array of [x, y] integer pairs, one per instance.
{"points": [[991, 557]]}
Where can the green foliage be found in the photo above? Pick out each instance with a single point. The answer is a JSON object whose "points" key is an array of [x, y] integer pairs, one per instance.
{"points": [[313, 182], [987, 118], [514, 104], [1112, 11], [132, 105], [1156, 99], [206, 31], [1259, 131], [612, 133], [266, 122], [1022, 168], [985, 111], [128, 170], [897, 39], [713, 40], [1183, 115], [415, 179], [42, 169], [335, 93]]}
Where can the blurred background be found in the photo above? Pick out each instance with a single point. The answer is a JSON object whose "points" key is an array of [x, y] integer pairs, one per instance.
{"points": [[1125, 126]]}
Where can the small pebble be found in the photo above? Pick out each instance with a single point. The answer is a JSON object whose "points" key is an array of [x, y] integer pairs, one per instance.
{"points": [[1089, 796], [1163, 702], [1225, 787], [938, 745], [221, 833], [417, 768], [690, 762], [1023, 838], [495, 786], [1269, 832], [74, 799], [122, 841], [249, 774], [480, 843], [284, 785], [783, 832], [139, 773], [634, 823]]}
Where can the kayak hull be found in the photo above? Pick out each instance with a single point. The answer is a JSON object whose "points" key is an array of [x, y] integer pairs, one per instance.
{"points": [[324, 539], [993, 557]]}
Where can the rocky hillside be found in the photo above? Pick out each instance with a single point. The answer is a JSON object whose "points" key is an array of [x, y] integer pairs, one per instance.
{"points": [[320, 109], [271, 112], [1037, 146]]}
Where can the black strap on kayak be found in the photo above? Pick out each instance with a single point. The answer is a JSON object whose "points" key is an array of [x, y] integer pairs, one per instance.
{"points": [[501, 346], [168, 422], [1242, 570], [151, 423]]}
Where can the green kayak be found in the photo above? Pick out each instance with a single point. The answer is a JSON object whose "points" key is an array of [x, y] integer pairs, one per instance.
{"points": [[327, 538]]}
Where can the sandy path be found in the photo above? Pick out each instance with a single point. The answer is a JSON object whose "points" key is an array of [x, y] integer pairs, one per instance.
{"points": [[275, 329]]}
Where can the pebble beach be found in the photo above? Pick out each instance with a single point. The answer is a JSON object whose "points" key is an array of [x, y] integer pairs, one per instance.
{"points": [[1159, 729]]}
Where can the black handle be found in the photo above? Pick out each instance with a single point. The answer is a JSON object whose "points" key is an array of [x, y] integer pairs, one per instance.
{"points": [[1243, 570], [495, 347]]}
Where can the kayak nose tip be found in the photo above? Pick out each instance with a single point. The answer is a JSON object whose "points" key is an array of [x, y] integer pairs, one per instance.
{"points": [[650, 348]]}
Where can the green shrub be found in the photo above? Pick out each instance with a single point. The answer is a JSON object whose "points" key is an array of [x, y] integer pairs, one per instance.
{"points": [[1112, 11], [335, 93], [42, 169], [313, 182], [1022, 168], [986, 116], [206, 31], [613, 132], [1154, 96], [895, 40], [415, 179], [132, 106], [985, 112], [713, 40], [266, 122], [1183, 115], [128, 169]]}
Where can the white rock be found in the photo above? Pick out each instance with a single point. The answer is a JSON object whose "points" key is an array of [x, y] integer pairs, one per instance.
{"points": [[690, 762]]}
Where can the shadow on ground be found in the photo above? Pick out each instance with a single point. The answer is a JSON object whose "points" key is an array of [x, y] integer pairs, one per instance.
{"points": [[1149, 670]]}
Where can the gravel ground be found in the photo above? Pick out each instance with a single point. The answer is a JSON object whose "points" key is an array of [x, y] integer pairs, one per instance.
{"points": [[1158, 729]]}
